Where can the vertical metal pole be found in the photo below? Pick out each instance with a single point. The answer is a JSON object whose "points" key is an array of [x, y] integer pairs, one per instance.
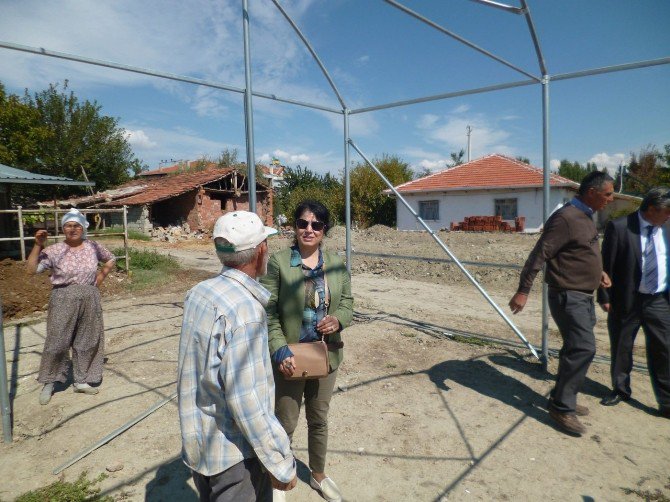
{"points": [[4, 394], [248, 110], [469, 130], [56, 225], [347, 191], [125, 236], [22, 243], [545, 211]]}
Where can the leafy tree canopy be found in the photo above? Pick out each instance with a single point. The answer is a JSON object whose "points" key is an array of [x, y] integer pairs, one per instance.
{"points": [[575, 171], [647, 169], [52, 132], [369, 206], [301, 183]]}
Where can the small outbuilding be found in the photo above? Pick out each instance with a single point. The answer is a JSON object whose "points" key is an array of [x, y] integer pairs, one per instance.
{"points": [[494, 185], [193, 198]]}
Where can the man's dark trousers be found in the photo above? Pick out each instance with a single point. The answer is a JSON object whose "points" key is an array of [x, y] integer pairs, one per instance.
{"points": [[574, 314], [246, 481], [652, 312]]}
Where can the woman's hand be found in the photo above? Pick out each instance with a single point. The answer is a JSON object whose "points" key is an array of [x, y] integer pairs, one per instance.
{"points": [[328, 325], [41, 238], [287, 366]]}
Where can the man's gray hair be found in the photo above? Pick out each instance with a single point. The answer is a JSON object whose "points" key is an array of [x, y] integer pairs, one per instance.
{"points": [[233, 258], [657, 197], [595, 179]]}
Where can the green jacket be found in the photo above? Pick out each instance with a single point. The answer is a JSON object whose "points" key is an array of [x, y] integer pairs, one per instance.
{"points": [[287, 301]]}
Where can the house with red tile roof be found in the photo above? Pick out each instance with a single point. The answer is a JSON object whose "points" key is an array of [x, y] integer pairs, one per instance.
{"points": [[274, 172], [196, 198], [488, 186]]}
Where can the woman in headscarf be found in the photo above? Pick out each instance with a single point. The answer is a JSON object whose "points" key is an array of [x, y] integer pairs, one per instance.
{"points": [[74, 318], [310, 299]]}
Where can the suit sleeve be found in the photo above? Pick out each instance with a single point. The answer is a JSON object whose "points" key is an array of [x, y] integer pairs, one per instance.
{"points": [[609, 252]]}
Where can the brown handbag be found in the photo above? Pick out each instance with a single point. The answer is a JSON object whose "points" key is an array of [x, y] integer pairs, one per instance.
{"points": [[311, 360]]}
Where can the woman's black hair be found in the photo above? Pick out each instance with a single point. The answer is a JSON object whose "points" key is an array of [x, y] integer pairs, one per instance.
{"points": [[315, 207]]}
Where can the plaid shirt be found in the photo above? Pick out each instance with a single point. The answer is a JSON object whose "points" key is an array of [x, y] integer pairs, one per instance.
{"points": [[225, 383]]}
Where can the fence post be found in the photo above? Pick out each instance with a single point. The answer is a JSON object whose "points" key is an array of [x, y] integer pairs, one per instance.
{"points": [[23, 244], [56, 225], [125, 236], [4, 394]]}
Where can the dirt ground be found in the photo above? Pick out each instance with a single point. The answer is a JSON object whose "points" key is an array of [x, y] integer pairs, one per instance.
{"points": [[423, 411]]}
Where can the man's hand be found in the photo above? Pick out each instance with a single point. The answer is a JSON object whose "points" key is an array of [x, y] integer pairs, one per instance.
{"points": [[605, 307], [605, 281], [278, 485], [287, 366], [518, 302]]}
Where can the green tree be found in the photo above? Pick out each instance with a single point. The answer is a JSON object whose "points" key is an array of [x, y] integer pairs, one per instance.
{"points": [[457, 158], [647, 169], [59, 135], [574, 170], [301, 183], [369, 206], [227, 158], [523, 159], [20, 131]]}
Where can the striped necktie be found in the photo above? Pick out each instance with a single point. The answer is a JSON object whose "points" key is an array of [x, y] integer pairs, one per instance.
{"points": [[650, 263]]}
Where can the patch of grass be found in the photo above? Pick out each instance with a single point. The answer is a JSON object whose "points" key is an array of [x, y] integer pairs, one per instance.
{"points": [[146, 260], [147, 268], [471, 340], [132, 234], [81, 490]]}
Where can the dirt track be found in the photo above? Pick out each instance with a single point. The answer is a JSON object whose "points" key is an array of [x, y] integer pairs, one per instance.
{"points": [[418, 415]]}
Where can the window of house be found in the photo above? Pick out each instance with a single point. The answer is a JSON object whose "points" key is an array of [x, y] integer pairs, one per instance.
{"points": [[429, 209], [507, 208]]}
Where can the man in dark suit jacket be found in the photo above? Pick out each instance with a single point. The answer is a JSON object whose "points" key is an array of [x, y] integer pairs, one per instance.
{"points": [[636, 256]]}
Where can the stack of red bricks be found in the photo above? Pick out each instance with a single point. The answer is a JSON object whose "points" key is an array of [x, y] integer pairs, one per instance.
{"points": [[489, 224]]}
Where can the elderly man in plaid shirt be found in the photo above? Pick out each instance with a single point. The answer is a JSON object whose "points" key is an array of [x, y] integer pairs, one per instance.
{"points": [[231, 439]]}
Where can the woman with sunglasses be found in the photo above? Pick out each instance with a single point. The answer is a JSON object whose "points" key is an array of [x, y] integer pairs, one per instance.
{"points": [[310, 299], [74, 318]]}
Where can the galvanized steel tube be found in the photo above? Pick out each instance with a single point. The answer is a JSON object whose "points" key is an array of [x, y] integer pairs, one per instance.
{"points": [[448, 251]]}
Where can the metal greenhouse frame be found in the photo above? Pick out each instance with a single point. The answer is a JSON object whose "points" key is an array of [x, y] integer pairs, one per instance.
{"points": [[542, 78]]}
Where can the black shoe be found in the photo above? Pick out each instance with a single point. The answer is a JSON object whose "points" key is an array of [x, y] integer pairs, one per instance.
{"points": [[664, 412], [613, 399]]}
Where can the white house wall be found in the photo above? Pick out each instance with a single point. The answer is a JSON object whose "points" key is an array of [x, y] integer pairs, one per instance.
{"points": [[455, 206]]}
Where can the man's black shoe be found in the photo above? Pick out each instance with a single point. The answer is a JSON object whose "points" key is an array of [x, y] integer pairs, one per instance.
{"points": [[613, 399], [664, 412]]}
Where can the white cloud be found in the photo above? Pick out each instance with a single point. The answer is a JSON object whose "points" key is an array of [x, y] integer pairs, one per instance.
{"points": [[427, 121], [611, 162], [139, 139], [285, 157], [363, 59], [461, 109], [433, 165], [198, 38], [450, 134], [554, 164]]}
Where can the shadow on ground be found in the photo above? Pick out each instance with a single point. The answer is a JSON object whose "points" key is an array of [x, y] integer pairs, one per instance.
{"points": [[171, 483]]}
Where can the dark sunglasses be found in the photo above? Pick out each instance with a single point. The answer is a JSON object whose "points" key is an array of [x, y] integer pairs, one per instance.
{"points": [[316, 225]]}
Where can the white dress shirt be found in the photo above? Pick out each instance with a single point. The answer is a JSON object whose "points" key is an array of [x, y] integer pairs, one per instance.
{"points": [[661, 255]]}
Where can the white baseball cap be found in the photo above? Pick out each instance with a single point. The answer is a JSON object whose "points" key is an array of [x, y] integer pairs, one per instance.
{"points": [[242, 229]]}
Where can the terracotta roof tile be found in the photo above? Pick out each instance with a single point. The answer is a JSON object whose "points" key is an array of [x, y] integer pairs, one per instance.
{"points": [[492, 171], [157, 189]]}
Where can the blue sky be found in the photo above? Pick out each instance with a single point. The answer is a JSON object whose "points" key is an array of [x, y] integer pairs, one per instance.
{"points": [[376, 54]]}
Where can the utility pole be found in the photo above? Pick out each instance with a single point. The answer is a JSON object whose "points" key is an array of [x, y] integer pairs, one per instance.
{"points": [[469, 130]]}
